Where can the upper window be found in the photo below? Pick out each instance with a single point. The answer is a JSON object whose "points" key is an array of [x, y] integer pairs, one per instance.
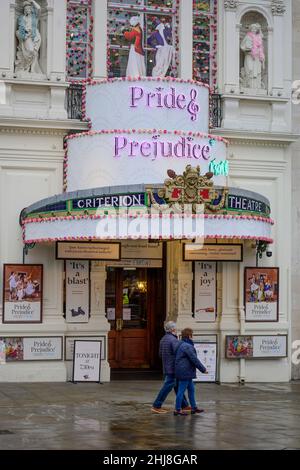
{"points": [[142, 36], [205, 41], [79, 30]]}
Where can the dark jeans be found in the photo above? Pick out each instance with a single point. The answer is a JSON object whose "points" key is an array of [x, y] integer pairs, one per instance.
{"points": [[182, 386], [169, 383]]}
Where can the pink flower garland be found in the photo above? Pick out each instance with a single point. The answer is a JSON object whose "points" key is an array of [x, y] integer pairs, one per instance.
{"points": [[147, 216], [88, 33], [212, 18]]}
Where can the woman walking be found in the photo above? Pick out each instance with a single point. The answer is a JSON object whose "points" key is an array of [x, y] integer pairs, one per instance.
{"points": [[186, 363]]}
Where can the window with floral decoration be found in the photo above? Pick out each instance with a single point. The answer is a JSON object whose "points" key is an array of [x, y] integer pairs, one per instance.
{"points": [[142, 38], [205, 41], [79, 38]]}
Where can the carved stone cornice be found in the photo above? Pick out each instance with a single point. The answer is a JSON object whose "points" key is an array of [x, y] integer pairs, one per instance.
{"points": [[278, 7], [230, 4]]}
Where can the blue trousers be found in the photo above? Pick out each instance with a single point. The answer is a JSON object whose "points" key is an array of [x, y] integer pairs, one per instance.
{"points": [[169, 383], [182, 386]]}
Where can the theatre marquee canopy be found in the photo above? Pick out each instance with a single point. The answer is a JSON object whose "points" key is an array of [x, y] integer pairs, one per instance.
{"points": [[187, 206]]}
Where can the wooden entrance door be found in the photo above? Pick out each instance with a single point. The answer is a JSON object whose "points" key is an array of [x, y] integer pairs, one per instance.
{"points": [[132, 307]]}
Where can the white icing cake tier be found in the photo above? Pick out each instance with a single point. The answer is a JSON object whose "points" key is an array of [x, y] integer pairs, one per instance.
{"points": [[112, 158], [152, 103]]}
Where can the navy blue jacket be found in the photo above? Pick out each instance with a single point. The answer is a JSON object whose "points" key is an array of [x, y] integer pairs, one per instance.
{"points": [[186, 361], [167, 350]]}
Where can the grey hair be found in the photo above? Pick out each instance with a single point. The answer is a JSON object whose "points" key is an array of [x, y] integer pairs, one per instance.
{"points": [[169, 326]]}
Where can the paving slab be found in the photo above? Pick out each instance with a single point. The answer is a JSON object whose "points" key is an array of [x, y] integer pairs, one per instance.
{"points": [[117, 416]]}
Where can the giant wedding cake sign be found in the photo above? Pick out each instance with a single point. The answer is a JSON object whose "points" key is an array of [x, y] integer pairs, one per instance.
{"points": [[139, 129]]}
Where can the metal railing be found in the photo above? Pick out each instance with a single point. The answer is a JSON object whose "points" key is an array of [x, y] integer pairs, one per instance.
{"points": [[215, 110], [74, 101], [74, 105]]}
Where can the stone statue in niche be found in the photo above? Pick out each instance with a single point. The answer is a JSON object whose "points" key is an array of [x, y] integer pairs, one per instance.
{"points": [[254, 60], [29, 39]]}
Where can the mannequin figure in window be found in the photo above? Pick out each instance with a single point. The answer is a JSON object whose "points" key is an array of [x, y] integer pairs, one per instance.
{"points": [[254, 63], [29, 39], [136, 61], [159, 39]]}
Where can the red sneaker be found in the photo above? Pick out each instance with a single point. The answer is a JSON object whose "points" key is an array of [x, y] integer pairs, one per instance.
{"points": [[180, 413], [187, 408], [197, 410]]}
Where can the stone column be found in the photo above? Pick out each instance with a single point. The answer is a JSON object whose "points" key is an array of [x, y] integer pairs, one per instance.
{"points": [[231, 48], [7, 38], [98, 322], [100, 39], [278, 10], [186, 39], [56, 40], [180, 287], [229, 320]]}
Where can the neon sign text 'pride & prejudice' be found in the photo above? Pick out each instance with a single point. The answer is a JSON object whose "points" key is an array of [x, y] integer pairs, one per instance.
{"points": [[162, 99]]}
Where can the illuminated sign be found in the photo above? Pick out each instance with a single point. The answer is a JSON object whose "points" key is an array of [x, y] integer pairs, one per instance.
{"points": [[219, 168], [243, 203], [158, 98], [182, 148], [121, 200]]}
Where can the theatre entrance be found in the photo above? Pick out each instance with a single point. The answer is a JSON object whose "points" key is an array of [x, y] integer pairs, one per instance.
{"points": [[135, 308]]}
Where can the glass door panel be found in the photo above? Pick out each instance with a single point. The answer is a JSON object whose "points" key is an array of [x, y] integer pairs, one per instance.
{"points": [[110, 296], [134, 289]]}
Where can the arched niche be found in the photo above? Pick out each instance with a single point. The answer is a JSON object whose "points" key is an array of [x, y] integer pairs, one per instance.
{"points": [[43, 29], [252, 85]]}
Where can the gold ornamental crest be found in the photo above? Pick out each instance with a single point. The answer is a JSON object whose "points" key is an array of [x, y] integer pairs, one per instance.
{"points": [[191, 188]]}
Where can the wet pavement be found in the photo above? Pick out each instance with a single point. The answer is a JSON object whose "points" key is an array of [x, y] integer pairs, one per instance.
{"points": [[117, 416]]}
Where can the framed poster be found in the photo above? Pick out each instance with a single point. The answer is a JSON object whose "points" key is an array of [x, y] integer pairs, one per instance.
{"points": [[256, 346], [261, 294], [87, 361], [43, 348], [12, 349], [238, 347], [213, 252], [22, 293], [207, 354], [77, 291], [69, 345], [270, 346], [88, 250], [205, 291], [32, 348], [2, 352]]}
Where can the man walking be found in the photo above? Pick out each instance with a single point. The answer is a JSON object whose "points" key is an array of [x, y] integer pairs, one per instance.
{"points": [[167, 351]]}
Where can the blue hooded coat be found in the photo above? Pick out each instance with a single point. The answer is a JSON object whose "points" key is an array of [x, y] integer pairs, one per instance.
{"points": [[186, 361]]}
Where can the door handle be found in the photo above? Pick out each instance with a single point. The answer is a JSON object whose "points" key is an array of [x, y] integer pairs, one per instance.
{"points": [[119, 324]]}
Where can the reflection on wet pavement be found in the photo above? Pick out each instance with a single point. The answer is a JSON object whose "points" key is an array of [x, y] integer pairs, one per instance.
{"points": [[117, 416]]}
